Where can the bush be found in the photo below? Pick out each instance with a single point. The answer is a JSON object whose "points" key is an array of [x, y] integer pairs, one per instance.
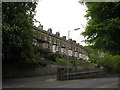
{"points": [[61, 61], [52, 57], [110, 63]]}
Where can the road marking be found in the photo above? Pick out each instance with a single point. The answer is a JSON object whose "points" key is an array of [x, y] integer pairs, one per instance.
{"points": [[108, 85]]}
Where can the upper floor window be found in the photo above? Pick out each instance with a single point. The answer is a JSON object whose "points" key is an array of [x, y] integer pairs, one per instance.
{"points": [[55, 48], [55, 41], [70, 52], [45, 38]]}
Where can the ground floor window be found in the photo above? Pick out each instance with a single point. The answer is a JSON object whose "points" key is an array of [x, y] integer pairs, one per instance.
{"points": [[76, 54]]}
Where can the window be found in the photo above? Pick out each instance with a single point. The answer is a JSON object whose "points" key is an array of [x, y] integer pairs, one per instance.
{"points": [[80, 55], [76, 54], [87, 58], [55, 48], [50, 40], [70, 52], [46, 45], [45, 38], [62, 50], [55, 41], [35, 42], [83, 57]]}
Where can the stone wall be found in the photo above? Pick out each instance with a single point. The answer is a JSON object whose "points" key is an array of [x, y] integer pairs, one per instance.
{"points": [[13, 71]]}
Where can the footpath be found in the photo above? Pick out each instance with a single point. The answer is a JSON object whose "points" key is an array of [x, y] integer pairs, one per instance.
{"points": [[27, 81]]}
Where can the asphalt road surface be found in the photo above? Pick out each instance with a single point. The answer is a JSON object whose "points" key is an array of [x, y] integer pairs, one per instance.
{"points": [[51, 82]]}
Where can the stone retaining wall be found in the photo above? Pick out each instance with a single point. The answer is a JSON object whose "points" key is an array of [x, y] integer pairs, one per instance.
{"points": [[12, 71], [49, 69]]}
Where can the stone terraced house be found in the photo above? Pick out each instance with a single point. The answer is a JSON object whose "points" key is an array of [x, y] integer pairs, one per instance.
{"points": [[57, 44]]}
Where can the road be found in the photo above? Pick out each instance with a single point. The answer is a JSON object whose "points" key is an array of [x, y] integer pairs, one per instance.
{"points": [[51, 82]]}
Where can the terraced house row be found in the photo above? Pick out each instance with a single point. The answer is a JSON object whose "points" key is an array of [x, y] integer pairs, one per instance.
{"points": [[57, 44]]}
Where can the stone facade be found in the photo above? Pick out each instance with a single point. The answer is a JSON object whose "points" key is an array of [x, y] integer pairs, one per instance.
{"points": [[57, 44]]}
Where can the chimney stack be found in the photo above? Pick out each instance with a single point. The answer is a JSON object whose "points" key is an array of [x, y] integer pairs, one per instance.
{"points": [[50, 30], [74, 41], [41, 27], [58, 34], [70, 40], [64, 37]]}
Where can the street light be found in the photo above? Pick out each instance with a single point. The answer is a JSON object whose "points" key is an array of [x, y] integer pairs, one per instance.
{"points": [[70, 31], [68, 49]]}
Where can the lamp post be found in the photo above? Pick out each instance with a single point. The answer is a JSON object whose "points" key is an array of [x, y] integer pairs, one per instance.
{"points": [[70, 31], [68, 50]]}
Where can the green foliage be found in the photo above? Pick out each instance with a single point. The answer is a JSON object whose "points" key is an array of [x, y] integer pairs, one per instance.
{"points": [[94, 55], [110, 62], [76, 62], [17, 25], [103, 27], [53, 56], [61, 61]]}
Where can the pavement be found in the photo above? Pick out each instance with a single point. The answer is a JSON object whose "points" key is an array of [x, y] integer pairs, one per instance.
{"points": [[51, 82]]}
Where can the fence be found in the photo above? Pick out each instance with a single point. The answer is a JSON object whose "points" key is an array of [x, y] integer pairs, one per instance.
{"points": [[66, 74]]}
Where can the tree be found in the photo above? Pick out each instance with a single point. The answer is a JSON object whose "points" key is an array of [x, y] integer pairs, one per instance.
{"points": [[17, 25], [103, 27], [110, 62]]}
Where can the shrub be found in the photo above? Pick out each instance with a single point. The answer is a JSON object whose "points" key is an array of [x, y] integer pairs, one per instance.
{"points": [[61, 61], [110, 63], [52, 56]]}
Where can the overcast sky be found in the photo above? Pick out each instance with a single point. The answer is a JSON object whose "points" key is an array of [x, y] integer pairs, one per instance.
{"points": [[62, 16]]}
